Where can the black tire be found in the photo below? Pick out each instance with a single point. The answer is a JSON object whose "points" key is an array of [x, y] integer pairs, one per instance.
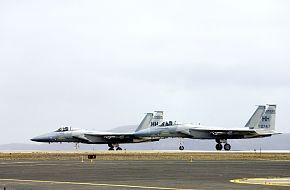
{"points": [[181, 147], [219, 146], [118, 148], [227, 147]]}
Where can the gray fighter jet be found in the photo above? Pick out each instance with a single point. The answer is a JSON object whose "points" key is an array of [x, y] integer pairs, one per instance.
{"points": [[261, 124], [67, 134]]}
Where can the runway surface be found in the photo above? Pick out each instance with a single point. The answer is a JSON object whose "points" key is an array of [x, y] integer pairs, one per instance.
{"points": [[166, 175]]}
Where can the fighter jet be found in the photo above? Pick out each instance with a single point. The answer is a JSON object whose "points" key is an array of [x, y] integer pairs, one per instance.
{"points": [[261, 124], [67, 134]]}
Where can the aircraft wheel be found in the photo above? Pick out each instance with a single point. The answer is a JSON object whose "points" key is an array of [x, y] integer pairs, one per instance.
{"points": [[181, 147], [227, 147], [118, 148], [219, 146], [111, 148]]}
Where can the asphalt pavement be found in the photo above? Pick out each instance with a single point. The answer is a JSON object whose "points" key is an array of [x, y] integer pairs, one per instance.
{"points": [[166, 175]]}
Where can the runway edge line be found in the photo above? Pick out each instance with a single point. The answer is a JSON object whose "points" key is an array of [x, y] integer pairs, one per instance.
{"points": [[94, 184]]}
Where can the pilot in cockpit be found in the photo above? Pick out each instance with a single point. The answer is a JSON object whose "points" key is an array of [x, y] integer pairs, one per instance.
{"points": [[62, 129], [169, 123]]}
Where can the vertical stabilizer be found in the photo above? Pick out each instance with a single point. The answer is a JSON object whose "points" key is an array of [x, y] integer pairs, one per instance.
{"points": [[267, 121], [256, 117], [145, 123], [157, 119]]}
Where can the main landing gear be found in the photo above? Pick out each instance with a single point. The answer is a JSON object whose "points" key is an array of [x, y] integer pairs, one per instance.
{"points": [[112, 146], [219, 145]]}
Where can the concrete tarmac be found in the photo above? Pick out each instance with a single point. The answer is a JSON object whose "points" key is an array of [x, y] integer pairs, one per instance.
{"points": [[112, 175]]}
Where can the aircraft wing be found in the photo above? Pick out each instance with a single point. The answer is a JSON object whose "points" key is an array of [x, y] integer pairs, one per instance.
{"points": [[229, 133], [98, 137], [226, 133]]}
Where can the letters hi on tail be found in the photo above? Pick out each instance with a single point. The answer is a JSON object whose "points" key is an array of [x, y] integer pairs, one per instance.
{"points": [[263, 119], [267, 121]]}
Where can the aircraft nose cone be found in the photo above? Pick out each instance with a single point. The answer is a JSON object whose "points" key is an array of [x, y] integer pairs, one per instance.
{"points": [[41, 138], [34, 139]]}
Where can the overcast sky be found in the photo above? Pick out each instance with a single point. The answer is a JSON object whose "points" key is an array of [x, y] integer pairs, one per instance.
{"points": [[102, 64]]}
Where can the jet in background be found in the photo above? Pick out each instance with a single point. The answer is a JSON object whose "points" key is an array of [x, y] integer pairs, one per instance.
{"points": [[261, 124], [67, 134]]}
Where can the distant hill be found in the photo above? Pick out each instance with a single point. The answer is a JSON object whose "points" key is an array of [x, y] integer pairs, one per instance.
{"points": [[276, 142]]}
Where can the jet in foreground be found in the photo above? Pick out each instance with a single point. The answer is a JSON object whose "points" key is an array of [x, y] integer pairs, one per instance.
{"points": [[261, 124], [67, 134]]}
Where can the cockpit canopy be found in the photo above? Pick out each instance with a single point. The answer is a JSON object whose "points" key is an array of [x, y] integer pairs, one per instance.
{"points": [[167, 123], [63, 129]]}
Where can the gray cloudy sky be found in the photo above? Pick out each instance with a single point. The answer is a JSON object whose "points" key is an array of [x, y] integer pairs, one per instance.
{"points": [[102, 64]]}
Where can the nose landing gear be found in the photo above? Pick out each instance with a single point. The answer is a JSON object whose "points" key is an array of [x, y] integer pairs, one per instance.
{"points": [[181, 147], [77, 146]]}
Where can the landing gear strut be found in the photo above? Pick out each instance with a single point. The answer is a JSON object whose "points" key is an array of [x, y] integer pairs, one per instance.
{"points": [[112, 146], [219, 145], [77, 146]]}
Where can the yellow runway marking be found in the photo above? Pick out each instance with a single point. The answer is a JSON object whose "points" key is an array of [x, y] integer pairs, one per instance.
{"points": [[285, 182], [93, 184]]}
